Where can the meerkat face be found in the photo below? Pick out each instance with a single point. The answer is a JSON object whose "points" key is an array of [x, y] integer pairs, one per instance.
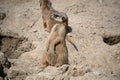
{"points": [[57, 17]]}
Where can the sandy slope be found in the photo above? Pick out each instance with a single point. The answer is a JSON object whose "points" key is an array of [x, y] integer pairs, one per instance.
{"points": [[91, 23]]}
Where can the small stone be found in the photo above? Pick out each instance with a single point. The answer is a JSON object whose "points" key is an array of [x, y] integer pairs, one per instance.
{"points": [[2, 16]]}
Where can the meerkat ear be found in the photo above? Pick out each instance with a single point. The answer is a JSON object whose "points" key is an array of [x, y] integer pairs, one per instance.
{"points": [[49, 4]]}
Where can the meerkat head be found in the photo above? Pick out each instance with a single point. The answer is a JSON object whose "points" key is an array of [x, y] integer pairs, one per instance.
{"points": [[57, 17]]}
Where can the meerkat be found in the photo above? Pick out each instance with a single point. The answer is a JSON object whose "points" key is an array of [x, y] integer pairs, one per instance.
{"points": [[47, 10], [50, 18], [56, 53], [61, 19]]}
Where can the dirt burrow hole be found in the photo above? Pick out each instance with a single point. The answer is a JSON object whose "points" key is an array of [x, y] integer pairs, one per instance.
{"points": [[13, 47], [112, 40]]}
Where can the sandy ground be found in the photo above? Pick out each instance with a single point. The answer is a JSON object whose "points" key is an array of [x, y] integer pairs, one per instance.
{"points": [[95, 31]]}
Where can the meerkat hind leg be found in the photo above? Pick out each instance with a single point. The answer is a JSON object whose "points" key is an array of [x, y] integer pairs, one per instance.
{"points": [[44, 60]]}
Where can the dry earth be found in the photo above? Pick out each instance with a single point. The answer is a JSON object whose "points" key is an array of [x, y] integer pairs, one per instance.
{"points": [[95, 31]]}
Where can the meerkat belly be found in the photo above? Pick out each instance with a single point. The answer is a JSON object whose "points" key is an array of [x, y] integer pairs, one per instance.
{"points": [[61, 49], [62, 54]]}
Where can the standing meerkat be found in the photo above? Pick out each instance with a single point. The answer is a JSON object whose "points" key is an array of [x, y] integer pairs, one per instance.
{"points": [[51, 17], [56, 53], [47, 11]]}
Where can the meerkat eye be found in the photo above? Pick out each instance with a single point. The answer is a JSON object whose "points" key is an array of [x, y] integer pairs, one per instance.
{"points": [[52, 17], [55, 15], [63, 18]]}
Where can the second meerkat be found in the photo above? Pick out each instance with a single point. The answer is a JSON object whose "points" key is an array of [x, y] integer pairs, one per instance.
{"points": [[47, 11]]}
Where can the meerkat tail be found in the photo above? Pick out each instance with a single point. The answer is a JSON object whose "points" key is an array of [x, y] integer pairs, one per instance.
{"points": [[69, 40]]}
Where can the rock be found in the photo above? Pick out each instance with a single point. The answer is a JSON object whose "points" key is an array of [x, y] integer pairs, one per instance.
{"points": [[4, 65], [51, 73], [2, 16], [95, 31], [13, 47], [40, 76], [76, 71], [63, 69], [1, 78], [16, 74]]}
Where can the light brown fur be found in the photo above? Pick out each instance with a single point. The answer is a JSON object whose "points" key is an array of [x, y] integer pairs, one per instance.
{"points": [[56, 53]]}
